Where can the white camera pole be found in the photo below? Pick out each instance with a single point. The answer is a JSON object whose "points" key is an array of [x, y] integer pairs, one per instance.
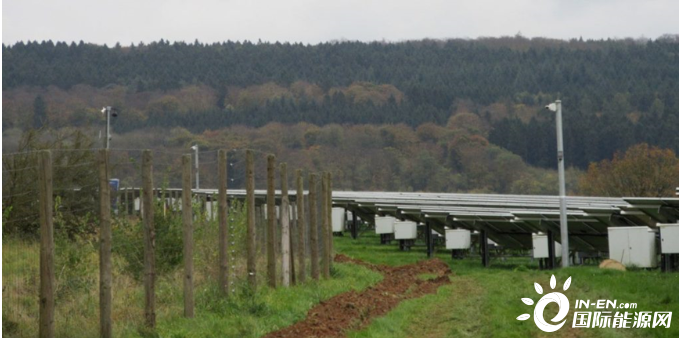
{"points": [[565, 250], [107, 110], [196, 163]]}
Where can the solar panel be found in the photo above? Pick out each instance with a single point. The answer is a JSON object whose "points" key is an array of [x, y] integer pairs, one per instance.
{"points": [[509, 219]]}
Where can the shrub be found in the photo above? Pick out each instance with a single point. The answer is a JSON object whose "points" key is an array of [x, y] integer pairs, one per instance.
{"points": [[128, 242]]}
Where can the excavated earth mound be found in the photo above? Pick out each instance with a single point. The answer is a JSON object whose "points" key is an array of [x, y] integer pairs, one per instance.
{"points": [[354, 310]]}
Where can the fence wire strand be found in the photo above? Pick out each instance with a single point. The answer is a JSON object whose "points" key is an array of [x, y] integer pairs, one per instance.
{"points": [[76, 231]]}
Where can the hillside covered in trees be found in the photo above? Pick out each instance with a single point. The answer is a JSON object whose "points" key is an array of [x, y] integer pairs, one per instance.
{"points": [[615, 93]]}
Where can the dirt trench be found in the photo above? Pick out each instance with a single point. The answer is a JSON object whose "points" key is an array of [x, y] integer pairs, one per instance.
{"points": [[354, 310]]}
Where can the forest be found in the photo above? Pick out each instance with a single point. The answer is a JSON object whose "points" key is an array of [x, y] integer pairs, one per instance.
{"points": [[462, 107]]}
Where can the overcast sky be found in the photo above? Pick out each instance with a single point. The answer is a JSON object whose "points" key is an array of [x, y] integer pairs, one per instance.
{"points": [[307, 21]]}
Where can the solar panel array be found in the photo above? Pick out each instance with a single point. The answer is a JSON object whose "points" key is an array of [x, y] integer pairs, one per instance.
{"points": [[509, 220]]}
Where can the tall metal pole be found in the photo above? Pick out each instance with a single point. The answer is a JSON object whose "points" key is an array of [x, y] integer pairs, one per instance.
{"points": [[196, 164], [561, 187], [108, 125]]}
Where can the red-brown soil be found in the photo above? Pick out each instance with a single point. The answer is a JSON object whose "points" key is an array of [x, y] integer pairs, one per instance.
{"points": [[354, 310]]}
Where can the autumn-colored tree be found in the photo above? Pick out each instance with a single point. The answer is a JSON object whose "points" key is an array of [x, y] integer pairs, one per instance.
{"points": [[258, 94], [642, 171], [467, 122], [362, 92], [303, 89], [430, 132], [164, 105]]}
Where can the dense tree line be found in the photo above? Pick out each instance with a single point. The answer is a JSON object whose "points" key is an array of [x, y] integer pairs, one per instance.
{"points": [[391, 157], [429, 72], [616, 93], [587, 137], [286, 111]]}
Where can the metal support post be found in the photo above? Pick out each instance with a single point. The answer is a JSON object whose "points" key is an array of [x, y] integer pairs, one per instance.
{"points": [[483, 248], [552, 251], [429, 240]]}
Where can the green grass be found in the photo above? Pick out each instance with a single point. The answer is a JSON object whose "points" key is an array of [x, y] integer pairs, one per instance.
{"points": [[478, 302], [253, 315], [245, 314], [485, 302]]}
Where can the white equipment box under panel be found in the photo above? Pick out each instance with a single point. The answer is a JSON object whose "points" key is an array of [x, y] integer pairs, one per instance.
{"points": [[276, 211], [669, 237], [384, 224], [457, 239], [633, 246], [338, 219], [540, 246], [405, 230]]}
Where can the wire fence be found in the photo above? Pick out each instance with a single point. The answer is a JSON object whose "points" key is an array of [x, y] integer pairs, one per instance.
{"points": [[76, 226], [75, 193]]}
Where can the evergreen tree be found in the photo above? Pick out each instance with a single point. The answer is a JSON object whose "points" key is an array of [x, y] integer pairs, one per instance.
{"points": [[39, 112]]}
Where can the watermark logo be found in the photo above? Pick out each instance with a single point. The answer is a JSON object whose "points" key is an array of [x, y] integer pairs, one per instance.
{"points": [[592, 319], [553, 297]]}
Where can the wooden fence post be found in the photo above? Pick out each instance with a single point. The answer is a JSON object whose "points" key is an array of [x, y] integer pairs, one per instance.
{"points": [[105, 325], [188, 238], [271, 225], [147, 204], [223, 278], [250, 214], [47, 278], [314, 236], [285, 230], [300, 213], [326, 272], [329, 208]]}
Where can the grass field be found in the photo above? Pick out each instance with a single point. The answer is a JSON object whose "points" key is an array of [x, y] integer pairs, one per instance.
{"points": [[485, 302], [479, 302], [245, 314]]}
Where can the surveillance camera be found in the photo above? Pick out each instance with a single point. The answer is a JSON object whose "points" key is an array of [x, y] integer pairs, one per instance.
{"points": [[551, 107]]}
